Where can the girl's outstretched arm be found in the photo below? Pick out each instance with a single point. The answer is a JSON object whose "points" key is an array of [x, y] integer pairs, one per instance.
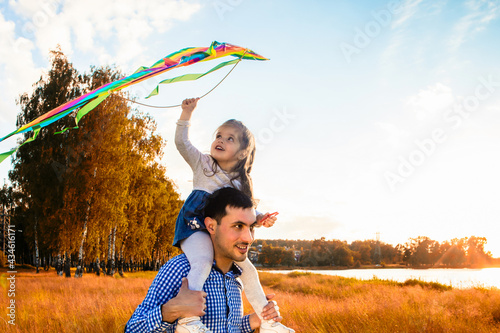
{"points": [[188, 105]]}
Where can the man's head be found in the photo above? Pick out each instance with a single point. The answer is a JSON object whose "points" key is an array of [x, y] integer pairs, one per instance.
{"points": [[230, 220]]}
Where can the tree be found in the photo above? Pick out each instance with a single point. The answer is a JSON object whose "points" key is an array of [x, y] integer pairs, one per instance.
{"points": [[288, 258], [271, 256], [453, 253], [98, 189], [33, 174], [475, 251], [342, 256]]}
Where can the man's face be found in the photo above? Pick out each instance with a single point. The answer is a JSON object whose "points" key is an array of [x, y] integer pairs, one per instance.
{"points": [[234, 235]]}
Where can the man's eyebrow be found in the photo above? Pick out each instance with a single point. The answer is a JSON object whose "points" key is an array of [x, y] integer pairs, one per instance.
{"points": [[241, 222], [238, 222]]}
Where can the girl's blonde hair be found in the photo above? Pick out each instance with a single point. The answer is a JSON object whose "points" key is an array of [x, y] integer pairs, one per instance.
{"points": [[244, 165]]}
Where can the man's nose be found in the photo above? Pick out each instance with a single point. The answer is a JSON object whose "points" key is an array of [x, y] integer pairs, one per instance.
{"points": [[247, 235]]}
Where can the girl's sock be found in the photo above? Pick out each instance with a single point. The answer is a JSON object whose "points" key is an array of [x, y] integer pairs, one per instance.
{"points": [[253, 290]]}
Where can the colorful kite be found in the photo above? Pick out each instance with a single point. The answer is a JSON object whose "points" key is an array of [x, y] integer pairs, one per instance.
{"points": [[89, 101]]}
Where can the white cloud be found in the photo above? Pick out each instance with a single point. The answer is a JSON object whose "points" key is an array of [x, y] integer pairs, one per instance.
{"points": [[393, 134], [16, 68], [431, 102], [480, 14], [30, 8], [408, 10], [103, 29]]}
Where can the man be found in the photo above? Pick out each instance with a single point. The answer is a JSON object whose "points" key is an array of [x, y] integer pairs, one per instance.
{"points": [[230, 221]]}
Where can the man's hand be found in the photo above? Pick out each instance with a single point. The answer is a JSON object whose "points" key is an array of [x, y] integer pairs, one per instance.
{"points": [[270, 311], [188, 105], [187, 303]]}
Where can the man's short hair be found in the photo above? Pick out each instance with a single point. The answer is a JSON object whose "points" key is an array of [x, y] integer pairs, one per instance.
{"points": [[225, 197]]}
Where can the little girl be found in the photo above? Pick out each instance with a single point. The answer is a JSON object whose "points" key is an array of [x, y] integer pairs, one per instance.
{"points": [[229, 164]]}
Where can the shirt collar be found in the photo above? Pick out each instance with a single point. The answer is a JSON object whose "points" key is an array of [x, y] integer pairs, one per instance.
{"points": [[235, 270]]}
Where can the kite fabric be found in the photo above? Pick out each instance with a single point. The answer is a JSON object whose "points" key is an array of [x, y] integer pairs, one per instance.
{"points": [[181, 58]]}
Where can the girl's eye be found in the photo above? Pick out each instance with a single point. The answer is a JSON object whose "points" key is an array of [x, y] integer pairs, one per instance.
{"points": [[218, 136], [230, 139]]}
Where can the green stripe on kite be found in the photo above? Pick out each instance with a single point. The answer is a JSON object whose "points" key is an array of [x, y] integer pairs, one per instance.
{"points": [[89, 106], [3, 156], [191, 77]]}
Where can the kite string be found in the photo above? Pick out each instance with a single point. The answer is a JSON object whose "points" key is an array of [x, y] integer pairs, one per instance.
{"points": [[174, 106]]}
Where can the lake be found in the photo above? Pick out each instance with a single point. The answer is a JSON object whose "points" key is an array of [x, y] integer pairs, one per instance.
{"points": [[457, 278]]}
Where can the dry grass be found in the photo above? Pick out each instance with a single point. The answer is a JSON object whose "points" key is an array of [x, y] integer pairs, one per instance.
{"points": [[308, 302], [315, 303], [46, 302]]}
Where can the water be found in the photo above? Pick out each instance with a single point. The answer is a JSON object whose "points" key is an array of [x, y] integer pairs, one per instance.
{"points": [[457, 278]]}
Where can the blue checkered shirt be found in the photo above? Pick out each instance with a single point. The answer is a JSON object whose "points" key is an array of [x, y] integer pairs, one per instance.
{"points": [[224, 305]]}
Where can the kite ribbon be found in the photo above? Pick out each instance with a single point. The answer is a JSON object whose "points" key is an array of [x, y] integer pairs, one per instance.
{"points": [[181, 58], [3, 156], [191, 77]]}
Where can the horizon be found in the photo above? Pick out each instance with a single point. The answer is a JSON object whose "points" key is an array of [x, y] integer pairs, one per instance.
{"points": [[370, 117]]}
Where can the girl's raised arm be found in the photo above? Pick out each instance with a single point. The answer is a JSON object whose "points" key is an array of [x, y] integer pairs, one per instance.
{"points": [[189, 152]]}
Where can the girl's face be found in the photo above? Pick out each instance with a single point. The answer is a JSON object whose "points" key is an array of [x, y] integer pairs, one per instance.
{"points": [[226, 147]]}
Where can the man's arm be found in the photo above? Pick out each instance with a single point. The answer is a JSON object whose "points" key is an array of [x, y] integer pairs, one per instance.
{"points": [[165, 302], [187, 303]]}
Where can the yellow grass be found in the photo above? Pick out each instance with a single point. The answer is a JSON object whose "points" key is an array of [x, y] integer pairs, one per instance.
{"points": [[308, 302]]}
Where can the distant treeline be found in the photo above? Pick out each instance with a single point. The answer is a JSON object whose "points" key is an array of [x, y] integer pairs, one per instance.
{"points": [[417, 252]]}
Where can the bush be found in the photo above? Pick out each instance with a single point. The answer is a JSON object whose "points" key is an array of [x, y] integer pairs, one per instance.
{"points": [[430, 285]]}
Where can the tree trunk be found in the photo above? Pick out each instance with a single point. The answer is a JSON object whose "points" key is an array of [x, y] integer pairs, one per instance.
{"points": [[36, 248], [108, 259], [67, 265], [79, 269], [113, 252], [120, 260]]}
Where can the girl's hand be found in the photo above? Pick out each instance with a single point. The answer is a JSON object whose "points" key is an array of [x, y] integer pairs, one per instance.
{"points": [[188, 105], [271, 310], [267, 220]]}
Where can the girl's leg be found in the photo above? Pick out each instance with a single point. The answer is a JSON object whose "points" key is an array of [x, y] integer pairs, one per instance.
{"points": [[253, 290], [200, 254], [257, 298]]}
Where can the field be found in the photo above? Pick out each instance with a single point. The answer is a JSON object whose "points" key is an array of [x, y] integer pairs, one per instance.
{"points": [[308, 302]]}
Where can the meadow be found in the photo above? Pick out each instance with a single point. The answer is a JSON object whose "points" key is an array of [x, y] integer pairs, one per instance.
{"points": [[308, 302]]}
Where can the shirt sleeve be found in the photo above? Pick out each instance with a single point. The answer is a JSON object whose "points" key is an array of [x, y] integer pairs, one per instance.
{"points": [[148, 317], [189, 152], [245, 325]]}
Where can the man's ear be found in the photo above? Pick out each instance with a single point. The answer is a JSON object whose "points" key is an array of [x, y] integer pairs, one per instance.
{"points": [[211, 225]]}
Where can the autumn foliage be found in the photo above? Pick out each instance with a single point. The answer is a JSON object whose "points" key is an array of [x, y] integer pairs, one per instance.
{"points": [[98, 191]]}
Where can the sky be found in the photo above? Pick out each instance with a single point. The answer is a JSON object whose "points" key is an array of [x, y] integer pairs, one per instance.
{"points": [[370, 116]]}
